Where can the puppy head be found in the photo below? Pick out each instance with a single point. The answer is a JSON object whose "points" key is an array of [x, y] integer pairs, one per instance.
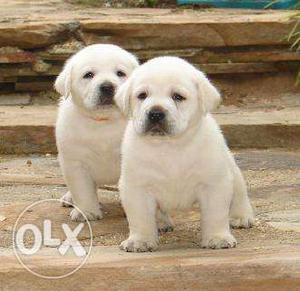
{"points": [[165, 96], [93, 75]]}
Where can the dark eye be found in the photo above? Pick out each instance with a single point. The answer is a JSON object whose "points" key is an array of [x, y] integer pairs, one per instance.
{"points": [[177, 97], [121, 74], [142, 96], [88, 75]]}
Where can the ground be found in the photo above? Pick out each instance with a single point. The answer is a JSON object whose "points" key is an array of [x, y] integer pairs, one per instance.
{"points": [[272, 176], [267, 255]]}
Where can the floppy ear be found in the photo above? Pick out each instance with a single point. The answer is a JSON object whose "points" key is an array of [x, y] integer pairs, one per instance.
{"points": [[122, 97], [209, 95], [63, 81]]}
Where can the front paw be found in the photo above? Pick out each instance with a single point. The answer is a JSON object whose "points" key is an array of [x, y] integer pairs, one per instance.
{"points": [[225, 241], [165, 228], [90, 215], [138, 246], [241, 221]]}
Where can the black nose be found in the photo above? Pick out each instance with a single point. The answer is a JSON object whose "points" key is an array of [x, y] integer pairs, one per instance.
{"points": [[156, 115], [107, 89]]}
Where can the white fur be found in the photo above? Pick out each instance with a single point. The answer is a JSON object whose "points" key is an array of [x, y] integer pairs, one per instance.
{"points": [[88, 135], [192, 163]]}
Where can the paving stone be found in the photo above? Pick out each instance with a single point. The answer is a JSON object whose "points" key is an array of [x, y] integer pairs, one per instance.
{"points": [[266, 255], [31, 129], [286, 220], [15, 99]]}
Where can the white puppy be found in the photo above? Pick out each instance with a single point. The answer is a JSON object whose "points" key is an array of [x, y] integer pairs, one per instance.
{"points": [[174, 154], [89, 128]]}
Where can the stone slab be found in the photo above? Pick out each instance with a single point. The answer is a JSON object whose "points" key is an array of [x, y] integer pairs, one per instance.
{"points": [[30, 129], [14, 99], [38, 26], [192, 269], [266, 256]]}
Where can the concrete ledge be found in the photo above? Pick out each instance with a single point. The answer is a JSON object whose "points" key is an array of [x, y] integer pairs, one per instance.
{"points": [[161, 27], [30, 129], [192, 269], [36, 39]]}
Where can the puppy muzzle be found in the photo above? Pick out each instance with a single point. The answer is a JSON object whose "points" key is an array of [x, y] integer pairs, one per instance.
{"points": [[106, 93], [156, 123]]}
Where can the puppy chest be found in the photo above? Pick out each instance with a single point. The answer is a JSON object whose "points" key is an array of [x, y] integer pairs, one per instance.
{"points": [[172, 184], [173, 194]]}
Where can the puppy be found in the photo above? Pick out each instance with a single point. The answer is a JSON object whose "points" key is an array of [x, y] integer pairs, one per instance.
{"points": [[89, 128], [174, 154]]}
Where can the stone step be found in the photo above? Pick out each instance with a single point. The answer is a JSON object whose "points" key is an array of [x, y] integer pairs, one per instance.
{"points": [[35, 41], [237, 89], [186, 269], [267, 255], [146, 28], [30, 129]]}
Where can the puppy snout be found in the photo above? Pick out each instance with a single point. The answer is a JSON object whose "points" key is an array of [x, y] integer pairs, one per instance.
{"points": [[156, 115], [107, 89]]}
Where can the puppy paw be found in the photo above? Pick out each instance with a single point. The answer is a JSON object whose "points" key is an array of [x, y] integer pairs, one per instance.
{"points": [[77, 216], [219, 242], [138, 246], [164, 222], [243, 221], [165, 228], [66, 200]]}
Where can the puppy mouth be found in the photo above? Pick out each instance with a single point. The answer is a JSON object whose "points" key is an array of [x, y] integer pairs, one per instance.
{"points": [[156, 130], [105, 101]]}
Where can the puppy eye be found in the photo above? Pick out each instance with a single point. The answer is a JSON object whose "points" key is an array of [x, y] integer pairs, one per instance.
{"points": [[88, 75], [121, 74], [177, 97], [142, 96]]}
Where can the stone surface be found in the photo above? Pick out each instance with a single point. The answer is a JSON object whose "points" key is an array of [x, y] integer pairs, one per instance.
{"points": [[183, 269], [220, 42], [266, 256], [273, 180], [142, 28], [36, 35], [13, 55], [30, 129], [15, 99], [286, 220]]}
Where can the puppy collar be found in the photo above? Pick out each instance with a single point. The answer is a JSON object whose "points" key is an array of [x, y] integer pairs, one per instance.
{"points": [[98, 119], [95, 118]]}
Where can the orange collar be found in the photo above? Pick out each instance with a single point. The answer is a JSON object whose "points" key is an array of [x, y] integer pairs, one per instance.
{"points": [[99, 119]]}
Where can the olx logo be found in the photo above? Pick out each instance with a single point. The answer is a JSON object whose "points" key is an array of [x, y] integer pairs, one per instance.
{"points": [[38, 234], [45, 238]]}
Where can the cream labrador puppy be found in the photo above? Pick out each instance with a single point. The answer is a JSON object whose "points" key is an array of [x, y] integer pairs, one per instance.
{"points": [[89, 128], [174, 154]]}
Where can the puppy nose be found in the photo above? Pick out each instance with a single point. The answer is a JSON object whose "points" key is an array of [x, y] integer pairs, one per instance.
{"points": [[107, 89], [156, 115]]}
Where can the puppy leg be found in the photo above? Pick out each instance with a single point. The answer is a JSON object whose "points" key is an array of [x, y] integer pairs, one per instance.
{"points": [[83, 192], [140, 211], [241, 213], [215, 203], [164, 221]]}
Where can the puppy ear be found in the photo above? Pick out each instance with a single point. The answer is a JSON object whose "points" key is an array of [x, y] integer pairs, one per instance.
{"points": [[63, 82], [209, 95], [134, 60], [122, 97]]}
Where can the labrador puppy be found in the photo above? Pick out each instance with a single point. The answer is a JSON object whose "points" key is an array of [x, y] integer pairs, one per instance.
{"points": [[174, 154], [89, 128]]}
